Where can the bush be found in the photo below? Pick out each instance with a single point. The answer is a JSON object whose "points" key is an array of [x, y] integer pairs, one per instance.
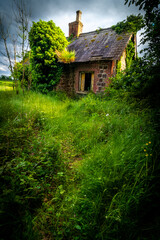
{"points": [[140, 80], [45, 38]]}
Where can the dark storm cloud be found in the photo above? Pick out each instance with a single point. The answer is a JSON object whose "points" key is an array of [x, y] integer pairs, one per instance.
{"points": [[95, 13], [46, 8]]}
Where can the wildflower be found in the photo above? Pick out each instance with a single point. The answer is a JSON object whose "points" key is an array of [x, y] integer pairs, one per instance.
{"points": [[146, 155], [149, 142], [107, 114], [145, 150], [146, 143]]}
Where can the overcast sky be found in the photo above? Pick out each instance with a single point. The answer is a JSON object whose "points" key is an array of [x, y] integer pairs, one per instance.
{"points": [[95, 13]]}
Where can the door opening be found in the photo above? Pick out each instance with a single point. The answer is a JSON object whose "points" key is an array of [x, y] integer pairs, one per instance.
{"points": [[86, 81], [87, 86]]}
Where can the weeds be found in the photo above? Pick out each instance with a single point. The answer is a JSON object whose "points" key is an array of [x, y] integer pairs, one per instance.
{"points": [[77, 169]]}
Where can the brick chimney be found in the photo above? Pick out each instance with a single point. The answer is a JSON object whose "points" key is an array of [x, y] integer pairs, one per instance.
{"points": [[76, 27]]}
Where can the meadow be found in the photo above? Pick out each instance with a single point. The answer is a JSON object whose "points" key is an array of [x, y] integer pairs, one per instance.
{"points": [[78, 169]]}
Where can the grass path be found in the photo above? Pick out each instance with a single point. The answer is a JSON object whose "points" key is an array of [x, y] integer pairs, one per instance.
{"points": [[78, 169]]}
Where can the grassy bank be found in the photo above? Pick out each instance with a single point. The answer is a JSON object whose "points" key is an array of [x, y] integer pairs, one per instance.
{"points": [[78, 169]]}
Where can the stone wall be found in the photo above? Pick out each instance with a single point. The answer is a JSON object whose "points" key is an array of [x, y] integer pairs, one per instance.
{"points": [[102, 70], [66, 83]]}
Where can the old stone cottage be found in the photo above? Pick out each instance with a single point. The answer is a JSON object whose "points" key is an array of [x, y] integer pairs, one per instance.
{"points": [[97, 54]]}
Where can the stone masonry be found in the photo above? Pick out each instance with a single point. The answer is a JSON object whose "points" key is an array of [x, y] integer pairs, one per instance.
{"points": [[102, 70]]}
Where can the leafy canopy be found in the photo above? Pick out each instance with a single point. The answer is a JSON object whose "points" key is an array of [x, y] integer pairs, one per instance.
{"points": [[45, 38], [131, 25], [151, 36]]}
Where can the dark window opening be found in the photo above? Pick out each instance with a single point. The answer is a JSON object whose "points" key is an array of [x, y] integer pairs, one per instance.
{"points": [[87, 86]]}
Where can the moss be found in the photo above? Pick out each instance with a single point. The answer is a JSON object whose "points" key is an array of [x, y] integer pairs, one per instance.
{"points": [[106, 33], [98, 30], [119, 38], [95, 36], [92, 40], [86, 46], [97, 41], [106, 46]]}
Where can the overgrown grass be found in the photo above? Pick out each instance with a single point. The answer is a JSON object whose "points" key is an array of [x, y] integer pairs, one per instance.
{"points": [[78, 169], [6, 85]]}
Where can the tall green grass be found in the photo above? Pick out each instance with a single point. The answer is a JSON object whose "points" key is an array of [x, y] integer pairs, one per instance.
{"points": [[78, 169]]}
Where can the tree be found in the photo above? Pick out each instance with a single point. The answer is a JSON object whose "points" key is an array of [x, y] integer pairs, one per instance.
{"points": [[151, 35], [22, 18], [4, 37], [45, 38], [131, 25], [12, 42]]}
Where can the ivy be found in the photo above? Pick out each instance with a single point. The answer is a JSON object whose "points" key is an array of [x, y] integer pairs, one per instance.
{"points": [[131, 25], [130, 53], [119, 66]]}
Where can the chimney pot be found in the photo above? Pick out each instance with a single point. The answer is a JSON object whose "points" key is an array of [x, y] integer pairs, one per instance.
{"points": [[78, 17]]}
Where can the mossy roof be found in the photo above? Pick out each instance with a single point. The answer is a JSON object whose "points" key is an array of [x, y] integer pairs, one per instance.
{"points": [[102, 44]]}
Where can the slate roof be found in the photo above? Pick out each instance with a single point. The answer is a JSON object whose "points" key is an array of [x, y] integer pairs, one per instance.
{"points": [[102, 44]]}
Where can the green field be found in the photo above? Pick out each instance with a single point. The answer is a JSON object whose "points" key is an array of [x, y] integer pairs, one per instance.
{"points": [[6, 85], [78, 169]]}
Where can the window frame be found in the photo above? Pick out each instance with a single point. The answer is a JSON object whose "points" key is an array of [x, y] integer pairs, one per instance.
{"points": [[81, 81]]}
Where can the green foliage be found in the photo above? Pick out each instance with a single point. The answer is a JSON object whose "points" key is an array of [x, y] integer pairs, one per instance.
{"points": [[70, 38], [131, 25], [78, 169], [45, 38], [65, 56], [18, 73], [28, 165], [5, 78], [130, 53], [151, 35], [118, 67], [137, 79], [98, 30]]}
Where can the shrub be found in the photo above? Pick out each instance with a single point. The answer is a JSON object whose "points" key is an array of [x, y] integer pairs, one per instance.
{"points": [[45, 38]]}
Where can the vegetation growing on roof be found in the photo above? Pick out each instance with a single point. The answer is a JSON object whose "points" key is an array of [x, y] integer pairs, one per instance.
{"points": [[66, 56], [131, 25], [71, 38], [119, 38], [98, 30]]}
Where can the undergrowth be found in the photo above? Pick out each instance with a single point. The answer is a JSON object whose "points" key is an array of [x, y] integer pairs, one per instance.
{"points": [[78, 169]]}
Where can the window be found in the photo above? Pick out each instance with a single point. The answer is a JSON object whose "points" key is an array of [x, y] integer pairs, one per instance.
{"points": [[86, 80]]}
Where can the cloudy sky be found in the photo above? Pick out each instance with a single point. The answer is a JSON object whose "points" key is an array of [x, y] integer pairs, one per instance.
{"points": [[95, 14]]}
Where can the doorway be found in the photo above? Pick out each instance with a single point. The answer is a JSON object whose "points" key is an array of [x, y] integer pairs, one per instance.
{"points": [[87, 86]]}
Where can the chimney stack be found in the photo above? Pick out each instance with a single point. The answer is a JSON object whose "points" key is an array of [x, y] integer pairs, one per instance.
{"points": [[75, 28]]}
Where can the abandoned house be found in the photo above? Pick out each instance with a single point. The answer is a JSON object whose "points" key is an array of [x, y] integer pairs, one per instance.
{"points": [[97, 55]]}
